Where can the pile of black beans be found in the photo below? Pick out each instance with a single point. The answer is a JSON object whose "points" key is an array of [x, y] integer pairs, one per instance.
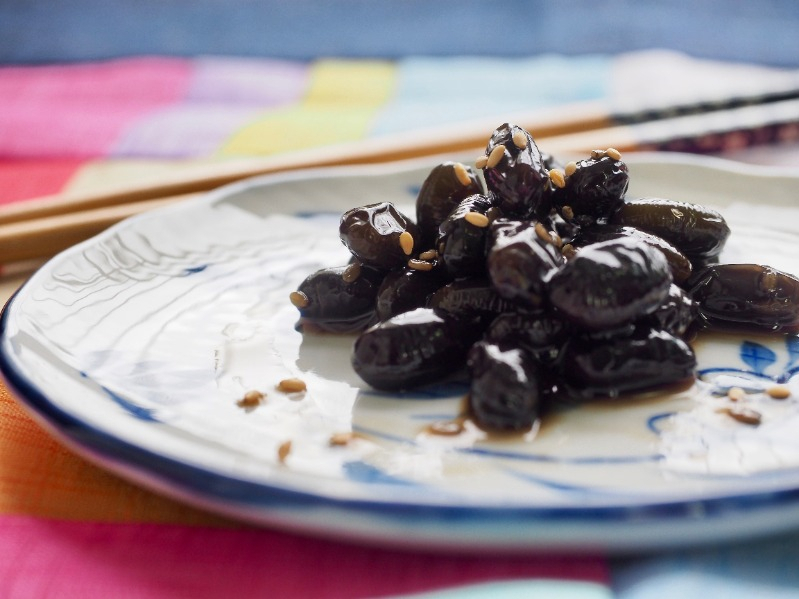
{"points": [[545, 281]]}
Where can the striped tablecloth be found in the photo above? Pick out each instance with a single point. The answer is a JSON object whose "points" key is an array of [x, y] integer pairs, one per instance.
{"points": [[69, 529]]}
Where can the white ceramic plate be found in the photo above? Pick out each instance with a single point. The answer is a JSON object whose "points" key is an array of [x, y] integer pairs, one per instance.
{"points": [[134, 347]]}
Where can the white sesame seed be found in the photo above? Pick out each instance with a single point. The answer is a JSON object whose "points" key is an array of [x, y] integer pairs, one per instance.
{"points": [[406, 242], [570, 168], [476, 219], [557, 178], [299, 299], [779, 392], [462, 174], [495, 156], [519, 139]]}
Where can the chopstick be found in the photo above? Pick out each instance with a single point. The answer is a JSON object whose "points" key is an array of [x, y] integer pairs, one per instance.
{"points": [[42, 237], [452, 139], [53, 224], [442, 140]]}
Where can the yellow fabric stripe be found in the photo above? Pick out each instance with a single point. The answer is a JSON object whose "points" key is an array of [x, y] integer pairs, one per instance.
{"points": [[341, 103]]}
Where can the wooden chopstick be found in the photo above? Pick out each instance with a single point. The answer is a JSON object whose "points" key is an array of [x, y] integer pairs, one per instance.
{"points": [[45, 235], [41, 237], [542, 123], [443, 140]]}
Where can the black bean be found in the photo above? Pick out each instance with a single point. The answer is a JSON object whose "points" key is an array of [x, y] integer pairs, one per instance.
{"points": [[473, 301], [697, 231], [441, 192], [406, 289], [328, 302], [747, 298], [521, 258], [610, 283], [595, 190], [539, 332], [504, 391], [676, 315], [372, 234], [609, 367], [679, 264], [519, 179], [461, 243], [411, 349]]}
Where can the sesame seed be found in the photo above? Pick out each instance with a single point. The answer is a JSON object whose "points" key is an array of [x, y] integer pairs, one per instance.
{"points": [[283, 451], [292, 385], [339, 439], [420, 264], [495, 156], [406, 242], [476, 219], [568, 251], [570, 168], [597, 154], [779, 392], [567, 212], [428, 255], [251, 399], [736, 394], [447, 428], [745, 415], [557, 178], [462, 174], [542, 233], [352, 272], [481, 161], [442, 247], [519, 139], [299, 299], [613, 153]]}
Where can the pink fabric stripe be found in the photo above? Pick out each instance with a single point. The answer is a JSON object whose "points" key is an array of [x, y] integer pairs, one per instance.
{"points": [[44, 558], [81, 110]]}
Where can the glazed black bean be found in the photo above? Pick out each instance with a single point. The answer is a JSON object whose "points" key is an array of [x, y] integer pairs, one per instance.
{"points": [[593, 368], [332, 301], [539, 332], [406, 289], [697, 231], [441, 192], [374, 235], [610, 283], [747, 297], [676, 315], [679, 264], [471, 300], [514, 170], [411, 349], [462, 237], [593, 190], [504, 392], [522, 256]]}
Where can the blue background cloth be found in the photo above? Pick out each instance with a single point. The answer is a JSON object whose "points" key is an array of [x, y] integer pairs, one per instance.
{"points": [[766, 31]]}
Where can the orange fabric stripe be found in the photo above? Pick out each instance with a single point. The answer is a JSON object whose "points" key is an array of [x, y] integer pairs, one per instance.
{"points": [[39, 477]]}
